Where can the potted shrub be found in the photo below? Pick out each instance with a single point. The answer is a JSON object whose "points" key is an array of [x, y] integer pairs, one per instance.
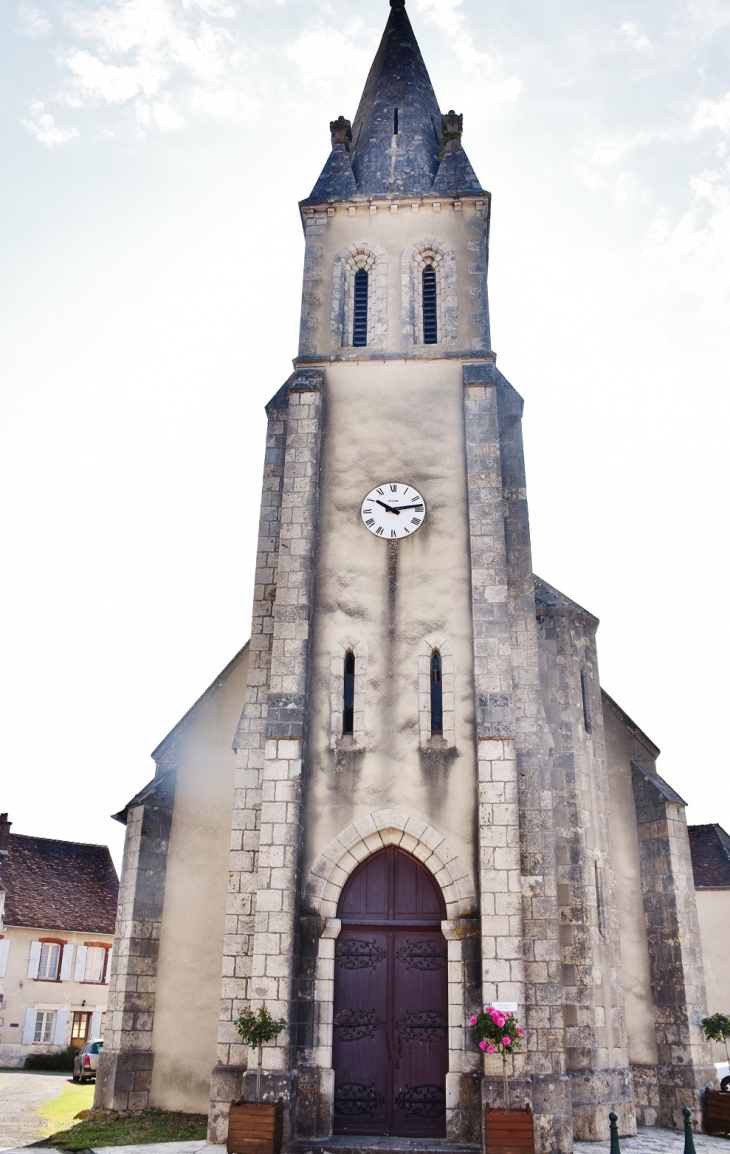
{"points": [[505, 1131], [256, 1127]]}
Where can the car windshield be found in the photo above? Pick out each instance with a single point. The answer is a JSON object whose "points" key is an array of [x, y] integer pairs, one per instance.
{"points": [[95, 1047]]}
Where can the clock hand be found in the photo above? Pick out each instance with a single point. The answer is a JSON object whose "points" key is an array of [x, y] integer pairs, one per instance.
{"points": [[388, 507], [418, 506]]}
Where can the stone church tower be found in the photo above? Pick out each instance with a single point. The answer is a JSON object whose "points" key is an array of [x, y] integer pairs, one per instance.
{"points": [[430, 803]]}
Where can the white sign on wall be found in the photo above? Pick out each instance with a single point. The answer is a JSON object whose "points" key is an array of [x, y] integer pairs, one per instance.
{"points": [[505, 1007]]}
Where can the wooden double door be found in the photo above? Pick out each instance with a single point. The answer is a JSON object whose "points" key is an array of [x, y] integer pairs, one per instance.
{"points": [[390, 1030]]}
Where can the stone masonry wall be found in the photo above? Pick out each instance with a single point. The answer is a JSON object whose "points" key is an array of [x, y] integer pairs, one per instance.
{"points": [[249, 746], [675, 954], [125, 1067]]}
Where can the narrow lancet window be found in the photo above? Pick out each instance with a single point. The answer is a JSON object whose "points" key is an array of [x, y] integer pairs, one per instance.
{"points": [[348, 707], [430, 327], [437, 709], [586, 702], [395, 122], [360, 322]]}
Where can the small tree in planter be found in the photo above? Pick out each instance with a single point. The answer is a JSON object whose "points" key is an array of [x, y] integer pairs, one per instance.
{"points": [[717, 1029], [256, 1029], [497, 1032]]}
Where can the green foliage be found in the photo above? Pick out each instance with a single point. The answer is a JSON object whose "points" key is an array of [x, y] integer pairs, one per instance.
{"points": [[105, 1128], [717, 1028], [60, 1060], [496, 1031], [258, 1028]]}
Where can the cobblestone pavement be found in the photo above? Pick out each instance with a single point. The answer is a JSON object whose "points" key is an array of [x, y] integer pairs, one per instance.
{"points": [[654, 1141], [21, 1091]]}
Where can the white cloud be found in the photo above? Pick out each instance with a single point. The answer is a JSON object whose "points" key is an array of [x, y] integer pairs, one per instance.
{"points": [[448, 17], [636, 39], [44, 127], [694, 253], [33, 22], [713, 114], [323, 53]]}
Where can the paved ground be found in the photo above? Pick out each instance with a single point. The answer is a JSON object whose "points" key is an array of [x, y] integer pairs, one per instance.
{"points": [[652, 1141], [20, 1092], [646, 1142]]}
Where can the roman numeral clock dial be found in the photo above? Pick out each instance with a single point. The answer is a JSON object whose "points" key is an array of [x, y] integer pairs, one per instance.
{"points": [[393, 510]]}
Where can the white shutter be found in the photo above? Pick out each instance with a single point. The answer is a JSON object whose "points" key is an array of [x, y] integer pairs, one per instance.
{"points": [[66, 957], [4, 951], [59, 1034], [107, 976], [28, 1028], [34, 959], [95, 1027], [80, 964]]}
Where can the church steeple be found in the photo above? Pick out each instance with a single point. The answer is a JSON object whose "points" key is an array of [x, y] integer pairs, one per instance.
{"points": [[396, 134], [399, 144]]}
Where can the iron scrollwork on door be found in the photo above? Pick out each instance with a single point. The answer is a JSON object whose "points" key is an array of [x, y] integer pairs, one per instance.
{"points": [[422, 1101], [425, 1026], [355, 1025], [424, 955], [354, 1099], [358, 954]]}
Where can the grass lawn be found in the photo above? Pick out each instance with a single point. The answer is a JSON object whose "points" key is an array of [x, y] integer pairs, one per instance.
{"points": [[59, 1112], [148, 1126]]}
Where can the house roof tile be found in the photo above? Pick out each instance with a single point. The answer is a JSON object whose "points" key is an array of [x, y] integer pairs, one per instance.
{"points": [[58, 885]]}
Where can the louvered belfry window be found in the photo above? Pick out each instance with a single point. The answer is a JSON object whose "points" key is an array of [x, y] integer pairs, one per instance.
{"points": [[348, 711], [360, 322], [430, 327], [437, 710]]}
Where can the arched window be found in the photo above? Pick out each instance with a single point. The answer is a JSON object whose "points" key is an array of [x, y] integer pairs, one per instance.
{"points": [[430, 324], [437, 707], [348, 704], [360, 309]]}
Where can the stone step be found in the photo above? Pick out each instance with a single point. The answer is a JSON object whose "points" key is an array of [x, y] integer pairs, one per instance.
{"points": [[375, 1143]]}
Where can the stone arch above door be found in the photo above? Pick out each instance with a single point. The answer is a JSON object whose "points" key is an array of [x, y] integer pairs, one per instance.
{"points": [[383, 828]]}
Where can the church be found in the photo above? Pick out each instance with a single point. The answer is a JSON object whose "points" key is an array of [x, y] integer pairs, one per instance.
{"points": [[408, 796]]}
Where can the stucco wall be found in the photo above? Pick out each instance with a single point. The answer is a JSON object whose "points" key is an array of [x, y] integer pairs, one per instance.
{"points": [[621, 747], [392, 422], [22, 993], [713, 911], [193, 920]]}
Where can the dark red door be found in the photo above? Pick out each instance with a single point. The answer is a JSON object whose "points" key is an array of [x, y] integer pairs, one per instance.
{"points": [[390, 1014]]}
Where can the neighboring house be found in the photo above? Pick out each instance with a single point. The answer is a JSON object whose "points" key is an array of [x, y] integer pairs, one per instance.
{"points": [[58, 903], [709, 846]]}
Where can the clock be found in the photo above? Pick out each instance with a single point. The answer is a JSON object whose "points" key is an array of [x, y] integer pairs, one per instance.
{"points": [[393, 510]]}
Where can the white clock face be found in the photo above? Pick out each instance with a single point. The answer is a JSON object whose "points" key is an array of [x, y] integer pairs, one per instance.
{"points": [[393, 510]]}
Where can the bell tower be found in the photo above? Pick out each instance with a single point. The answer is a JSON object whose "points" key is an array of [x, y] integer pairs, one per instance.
{"points": [[394, 691]]}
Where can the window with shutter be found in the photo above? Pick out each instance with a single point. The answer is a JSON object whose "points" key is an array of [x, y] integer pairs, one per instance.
{"points": [[4, 951], [48, 961], [360, 322], [430, 325], [95, 958], [43, 1031]]}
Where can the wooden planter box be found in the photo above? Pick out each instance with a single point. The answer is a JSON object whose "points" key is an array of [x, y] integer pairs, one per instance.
{"points": [[255, 1127], [717, 1112], [509, 1132]]}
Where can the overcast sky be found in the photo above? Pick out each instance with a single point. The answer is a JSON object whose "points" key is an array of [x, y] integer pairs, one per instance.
{"points": [[153, 155]]}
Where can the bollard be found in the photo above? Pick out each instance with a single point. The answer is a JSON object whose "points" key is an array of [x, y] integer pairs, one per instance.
{"points": [[613, 1119], [689, 1142]]}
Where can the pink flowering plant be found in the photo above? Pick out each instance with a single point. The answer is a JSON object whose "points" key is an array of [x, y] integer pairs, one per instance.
{"points": [[497, 1032]]}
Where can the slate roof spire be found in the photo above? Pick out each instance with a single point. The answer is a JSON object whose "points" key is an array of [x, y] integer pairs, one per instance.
{"points": [[398, 144], [397, 152]]}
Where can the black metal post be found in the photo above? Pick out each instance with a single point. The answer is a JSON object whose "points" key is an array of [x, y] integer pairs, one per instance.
{"points": [[689, 1142], [613, 1120]]}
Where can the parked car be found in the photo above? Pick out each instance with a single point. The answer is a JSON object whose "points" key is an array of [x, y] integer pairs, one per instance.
{"points": [[723, 1074], [86, 1061]]}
